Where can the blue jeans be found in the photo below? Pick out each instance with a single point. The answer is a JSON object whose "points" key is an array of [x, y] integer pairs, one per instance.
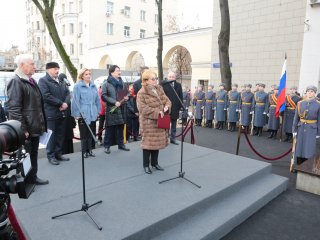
{"points": [[173, 129]]}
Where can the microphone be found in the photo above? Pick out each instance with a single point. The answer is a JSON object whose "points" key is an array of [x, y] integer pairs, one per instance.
{"points": [[66, 81]]}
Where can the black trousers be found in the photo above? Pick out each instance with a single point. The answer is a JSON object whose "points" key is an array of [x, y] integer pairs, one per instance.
{"points": [[132, 127], [101, 124], [31, 146], [110, 133], [146, 157], [85, 135], [54, 146]]}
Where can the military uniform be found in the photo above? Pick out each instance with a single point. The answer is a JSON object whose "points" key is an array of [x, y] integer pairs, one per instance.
{"points": [[221, 107], [210, 98], [245, 107], [233, 106], [186, 104], [291, 105], [273, 121], [306, 124], [198, 102], [260, 106]]}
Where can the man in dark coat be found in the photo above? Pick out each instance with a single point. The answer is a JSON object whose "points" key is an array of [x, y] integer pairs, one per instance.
{"points": [[172, 88], [25, 104], [114, 94], [56, 98], [306, 125]]}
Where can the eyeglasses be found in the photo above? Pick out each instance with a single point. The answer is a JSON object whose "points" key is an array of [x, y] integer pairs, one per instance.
{"points": [[153, 79]]}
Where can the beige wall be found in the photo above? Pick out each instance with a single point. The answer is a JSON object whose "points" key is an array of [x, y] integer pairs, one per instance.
{"points": [[261, 33]]}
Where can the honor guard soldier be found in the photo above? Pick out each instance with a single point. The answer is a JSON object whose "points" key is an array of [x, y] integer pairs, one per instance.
{"points": [[259, 107], [291, 104], [273, 121], [233, 105], [186, 104], [221, 106], [209, 106], [306, 125], [257, 88], [245, 107], [272, 87], [198, 102]]}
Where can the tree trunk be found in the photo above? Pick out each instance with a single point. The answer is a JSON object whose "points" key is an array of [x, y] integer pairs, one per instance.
{"points": [[160, 41], [47, 15], [223, 41]]}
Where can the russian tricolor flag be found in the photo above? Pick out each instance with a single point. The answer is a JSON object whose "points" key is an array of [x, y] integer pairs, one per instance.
{"points": [[281, 103]]}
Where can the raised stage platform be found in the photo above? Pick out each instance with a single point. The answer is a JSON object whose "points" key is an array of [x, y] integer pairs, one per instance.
{"points": [[135, 206]]}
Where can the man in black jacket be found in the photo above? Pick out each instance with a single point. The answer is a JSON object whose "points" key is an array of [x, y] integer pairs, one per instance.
{"points": [[172, 88], [56, 98], [25, 104]]}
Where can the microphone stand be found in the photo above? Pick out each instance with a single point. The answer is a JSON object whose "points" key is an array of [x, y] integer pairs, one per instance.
{"points": [[181, 173], [85, 206]]}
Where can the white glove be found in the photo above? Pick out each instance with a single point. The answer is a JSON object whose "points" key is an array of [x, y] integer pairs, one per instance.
{"points": [[264, 113], [237, 110], [317, 136], [190, 114], [294, 134], [202, 107], [225, 109], [251, 112], [214, 108], [268, 115]]}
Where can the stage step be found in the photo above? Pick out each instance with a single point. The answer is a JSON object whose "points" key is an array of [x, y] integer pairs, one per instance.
{"points": [[214, 217]]}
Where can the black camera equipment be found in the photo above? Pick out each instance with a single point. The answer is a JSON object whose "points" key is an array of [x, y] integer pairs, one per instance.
{"points": [[14, 173], [85, 206], [181, 173]]}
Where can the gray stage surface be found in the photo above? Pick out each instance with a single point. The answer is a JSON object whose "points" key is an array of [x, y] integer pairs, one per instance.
{"points": [[135, 206]]}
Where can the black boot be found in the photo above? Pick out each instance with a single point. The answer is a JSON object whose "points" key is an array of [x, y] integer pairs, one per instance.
{"points": [[221, 126], [271, 134], [275, 132], [218, 125], [256, 131], [259, 131], [287, 138], [247, 129]]}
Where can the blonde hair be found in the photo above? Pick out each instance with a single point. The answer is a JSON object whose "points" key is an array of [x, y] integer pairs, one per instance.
{"points": [[81, 73], [146, 75]]}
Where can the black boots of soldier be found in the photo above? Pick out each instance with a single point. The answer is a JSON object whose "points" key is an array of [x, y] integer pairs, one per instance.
{"points": [[258, 131], [273, 133], [288, 137], [219, 125], [208, 124], [232, 126], [198, 122]]}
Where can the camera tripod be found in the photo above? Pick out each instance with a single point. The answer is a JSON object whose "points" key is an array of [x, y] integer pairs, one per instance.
{"points": [[181, 173], [85, 206]]}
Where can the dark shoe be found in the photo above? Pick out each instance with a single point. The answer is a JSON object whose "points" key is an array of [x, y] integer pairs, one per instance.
{"points": [[91, 154], [40, 181], [174, 142], [124, 148], [271, 135], [85, 155], [53, 161], [107, 150], [62, 158], [147, 170], [158, 167]]}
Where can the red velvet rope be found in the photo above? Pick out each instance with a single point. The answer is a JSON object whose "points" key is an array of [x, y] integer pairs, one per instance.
{"points": [[260, 155], [186, 130]]}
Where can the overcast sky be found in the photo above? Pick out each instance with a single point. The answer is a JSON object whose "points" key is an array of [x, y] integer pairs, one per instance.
{"points": [[13, 31]]}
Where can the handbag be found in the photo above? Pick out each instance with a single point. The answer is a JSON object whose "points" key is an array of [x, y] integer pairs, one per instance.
{"points": [[164, 122]]}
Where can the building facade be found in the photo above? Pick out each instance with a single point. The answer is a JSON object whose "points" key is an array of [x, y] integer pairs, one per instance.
{"points": [[85, 24], [262, 32]]}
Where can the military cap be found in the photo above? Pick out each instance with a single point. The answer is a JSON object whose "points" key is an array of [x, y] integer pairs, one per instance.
{"points": [[52, 65], [248, 85], [311, 87], [262, 85]]}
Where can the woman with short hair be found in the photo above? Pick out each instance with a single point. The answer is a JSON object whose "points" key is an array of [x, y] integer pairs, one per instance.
{"points": [[152, 102]]}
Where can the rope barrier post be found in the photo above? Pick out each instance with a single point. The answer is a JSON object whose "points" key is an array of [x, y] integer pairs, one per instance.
{"points": [[239, 136]]}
